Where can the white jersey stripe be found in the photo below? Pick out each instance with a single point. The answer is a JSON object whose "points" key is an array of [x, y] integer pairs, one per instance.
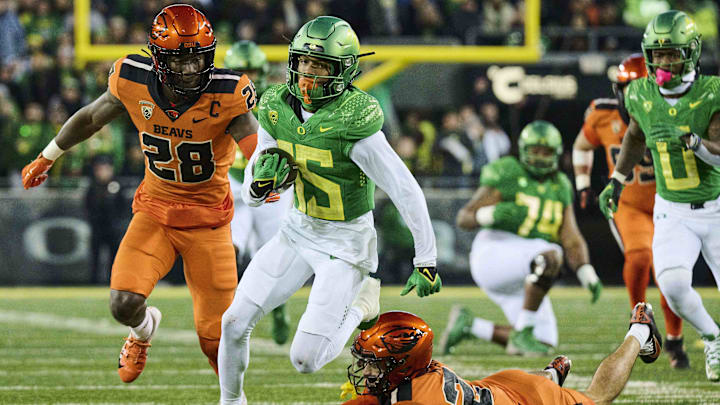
{"points": [[225, 76], [137, 64]]}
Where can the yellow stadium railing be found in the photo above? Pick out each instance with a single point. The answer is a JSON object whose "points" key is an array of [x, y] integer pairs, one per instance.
{"points": [[394, 58]]}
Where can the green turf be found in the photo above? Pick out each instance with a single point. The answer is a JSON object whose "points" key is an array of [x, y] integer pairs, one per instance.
{"points": [[60, 346]]}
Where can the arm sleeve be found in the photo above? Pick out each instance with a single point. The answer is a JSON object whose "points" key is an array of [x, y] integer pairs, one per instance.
{"points": [[264, 141], [380, 162], [706, 156]]}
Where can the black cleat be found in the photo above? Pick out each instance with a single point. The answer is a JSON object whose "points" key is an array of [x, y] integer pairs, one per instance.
{"points": [[643, 314]]}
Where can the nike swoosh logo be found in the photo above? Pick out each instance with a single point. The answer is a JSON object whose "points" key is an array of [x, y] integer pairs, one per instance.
{"points": [[195, 121], [325, 129], [264, 184], [695, 104]]}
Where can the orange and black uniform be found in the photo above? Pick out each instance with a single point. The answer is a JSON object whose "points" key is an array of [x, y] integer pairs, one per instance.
{"points": [[634, 218], [184, 204], [440, 385]]}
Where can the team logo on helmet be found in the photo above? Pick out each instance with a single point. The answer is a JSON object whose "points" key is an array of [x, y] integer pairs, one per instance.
{"points": [[401, 339], [146, 108]]}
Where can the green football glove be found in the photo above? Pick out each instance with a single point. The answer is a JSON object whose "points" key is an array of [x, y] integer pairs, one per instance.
{"points": [[673, 133], [595, 290], [589, 279], [608, 199], [269, 171], [506, 213], [426, 279]]}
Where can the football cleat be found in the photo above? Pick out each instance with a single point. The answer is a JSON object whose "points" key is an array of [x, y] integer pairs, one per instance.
{"points": [[280, 325], [643, 314], [457, 329], [133, 355], [712, 357], [524, 343], [676, 352], [561, 365], [368, 301]]}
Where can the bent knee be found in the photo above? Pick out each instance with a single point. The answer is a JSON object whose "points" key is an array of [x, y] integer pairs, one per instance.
{"points": [[126, 305], [304, 363], [674, 282]]}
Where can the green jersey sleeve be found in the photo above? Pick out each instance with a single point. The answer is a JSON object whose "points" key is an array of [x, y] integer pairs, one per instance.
{"points": [[363, 115], [267, 113]]}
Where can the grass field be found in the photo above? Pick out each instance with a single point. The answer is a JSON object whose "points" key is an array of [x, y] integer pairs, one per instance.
{"points": [[60, 346]]}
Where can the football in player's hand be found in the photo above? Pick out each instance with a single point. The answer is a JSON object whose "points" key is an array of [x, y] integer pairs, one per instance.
{"points": [[286, 174]]}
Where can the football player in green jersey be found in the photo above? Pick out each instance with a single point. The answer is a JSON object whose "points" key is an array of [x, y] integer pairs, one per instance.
{"points": [[253, 227], [524, 207], [672, 112], [333, 132]]}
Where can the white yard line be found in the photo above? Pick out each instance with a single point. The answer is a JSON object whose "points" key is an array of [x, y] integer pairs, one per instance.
{"points": [[106, 328]]}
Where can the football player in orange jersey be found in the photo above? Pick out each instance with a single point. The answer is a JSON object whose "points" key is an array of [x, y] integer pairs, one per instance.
{"points": [[606, 120], [190, 118], [393, 365]]}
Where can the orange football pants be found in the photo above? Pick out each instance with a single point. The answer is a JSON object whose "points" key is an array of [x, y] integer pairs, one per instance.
{"points": [[147, 253], [512, 387], [636, 227]]}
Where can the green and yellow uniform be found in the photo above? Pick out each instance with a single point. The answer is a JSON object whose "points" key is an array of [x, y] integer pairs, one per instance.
{"points": [[541, 200], [329, 185], [681, 177]]}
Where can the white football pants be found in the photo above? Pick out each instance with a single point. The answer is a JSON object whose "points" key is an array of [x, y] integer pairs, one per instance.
{"points": [[681, 234], [275, 273], [499, 263], [252, 227]]}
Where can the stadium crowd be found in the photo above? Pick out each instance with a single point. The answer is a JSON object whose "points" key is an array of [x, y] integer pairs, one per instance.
{"points": [[40, 87]]}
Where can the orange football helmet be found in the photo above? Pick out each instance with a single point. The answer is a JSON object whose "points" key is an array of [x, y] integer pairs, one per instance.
{"points": [[631, 68], [400, 345], [180, 30]]}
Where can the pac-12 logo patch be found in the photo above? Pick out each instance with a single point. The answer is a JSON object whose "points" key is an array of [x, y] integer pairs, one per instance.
{"points": [[273, 115], [146, 108]]}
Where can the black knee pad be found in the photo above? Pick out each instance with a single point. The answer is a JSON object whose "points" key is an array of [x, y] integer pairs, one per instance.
{"points": [[542, 274]]}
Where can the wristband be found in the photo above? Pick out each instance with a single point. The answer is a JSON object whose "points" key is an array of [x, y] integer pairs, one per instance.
{"points": [[484, 215], [586, 274], [618, 176], [52, 151], [582, 181]]}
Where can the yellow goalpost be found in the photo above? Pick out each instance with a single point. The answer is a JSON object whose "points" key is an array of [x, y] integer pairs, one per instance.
{"points": [[394, 58]]}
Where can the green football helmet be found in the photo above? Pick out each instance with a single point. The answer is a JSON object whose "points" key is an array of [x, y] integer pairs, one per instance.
{"points": [[246, 56], [332, 40], [672, 30], [540, 133]]}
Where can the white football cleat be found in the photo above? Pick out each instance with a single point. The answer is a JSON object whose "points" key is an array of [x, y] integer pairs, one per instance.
{"points": [[368, 301]]}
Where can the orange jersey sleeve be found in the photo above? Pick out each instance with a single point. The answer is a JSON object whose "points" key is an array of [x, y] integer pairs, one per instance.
{"points": [[604, 126], [187, 148]]}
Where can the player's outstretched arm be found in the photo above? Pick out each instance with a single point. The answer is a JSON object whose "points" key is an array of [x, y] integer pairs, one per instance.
{"points": [[79, 127], [576, 252], [381, 164], [479, 211], [582, 158]]}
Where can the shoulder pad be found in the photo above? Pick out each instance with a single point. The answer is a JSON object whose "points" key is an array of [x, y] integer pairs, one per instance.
{"points": [[362, 113]]}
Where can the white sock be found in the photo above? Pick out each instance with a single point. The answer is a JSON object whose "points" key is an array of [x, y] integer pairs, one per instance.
{"points": [[526, 318], [639, 331], [144, 330], [483, 329]]}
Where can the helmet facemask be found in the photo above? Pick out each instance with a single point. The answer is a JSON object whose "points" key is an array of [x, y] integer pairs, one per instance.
{"points": [[540, 147], [313, 90], [176, 80], [672, 30], [375, 385]]}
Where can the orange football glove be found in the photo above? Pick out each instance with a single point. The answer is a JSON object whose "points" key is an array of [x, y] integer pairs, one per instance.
{"points": [[35, 173]]}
